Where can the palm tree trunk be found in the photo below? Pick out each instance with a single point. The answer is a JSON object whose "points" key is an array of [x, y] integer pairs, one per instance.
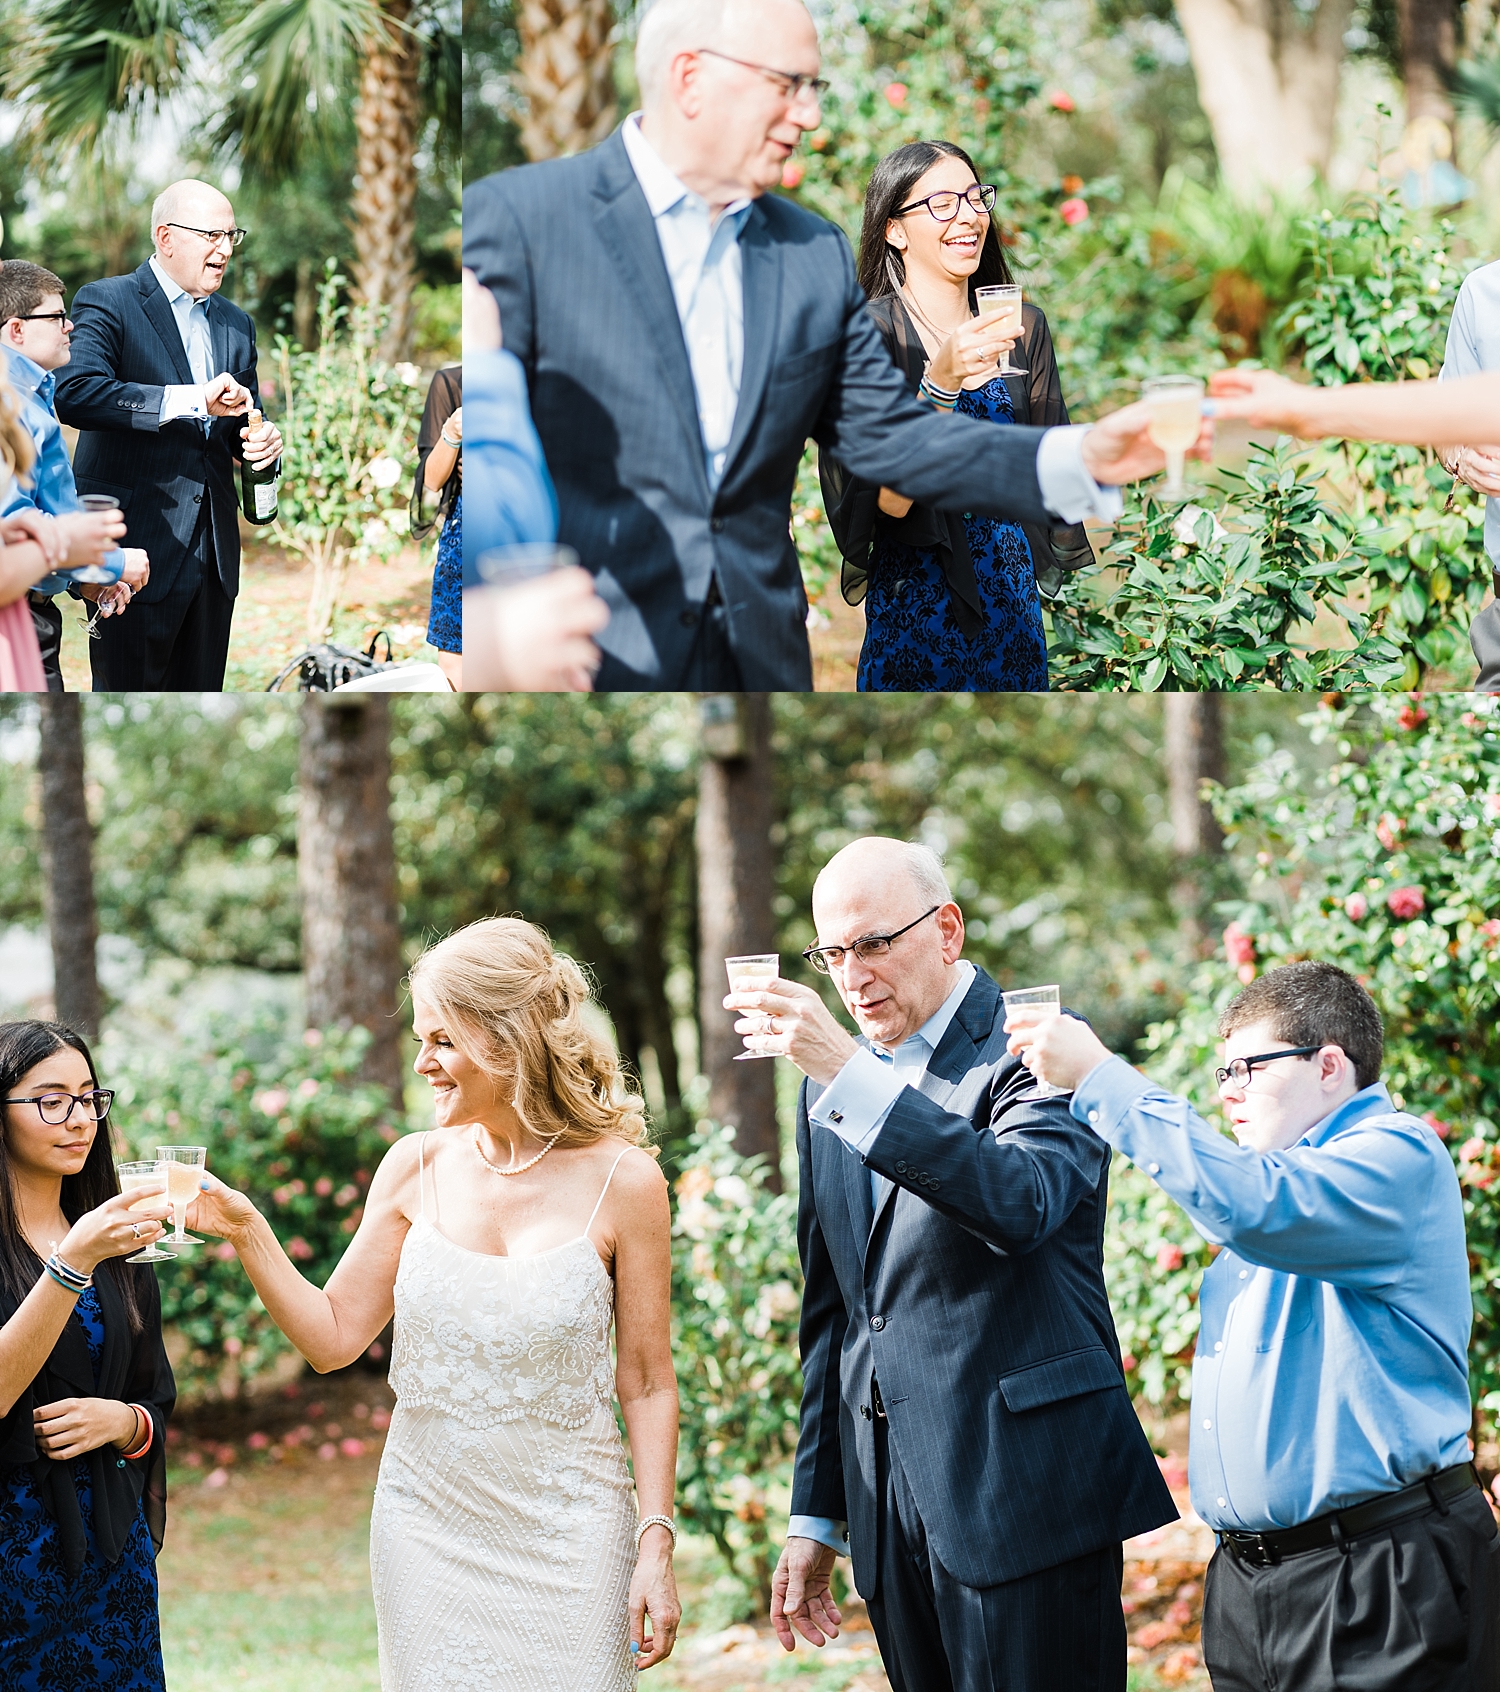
{"points": [[566, 74], [386, 120], [68, 862]]}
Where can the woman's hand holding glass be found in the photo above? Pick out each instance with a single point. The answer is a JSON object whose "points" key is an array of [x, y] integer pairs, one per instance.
{"points": [[973, 349], [114, 1229], [221, 1211]]}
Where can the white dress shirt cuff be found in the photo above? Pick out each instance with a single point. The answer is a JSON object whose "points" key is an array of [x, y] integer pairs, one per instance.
{"points": [[182, 399], [835, 1535], [855, 1104], [1068, 491]]}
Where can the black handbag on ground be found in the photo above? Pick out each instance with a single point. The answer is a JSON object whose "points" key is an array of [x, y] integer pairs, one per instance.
{"points": [[322, 668]]}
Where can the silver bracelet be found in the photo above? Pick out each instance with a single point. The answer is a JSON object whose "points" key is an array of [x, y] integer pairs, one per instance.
{"points": [[657, 1521]]}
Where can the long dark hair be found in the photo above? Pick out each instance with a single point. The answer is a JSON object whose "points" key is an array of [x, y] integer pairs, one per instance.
{"points": [[23, 1045], [882, 270]]}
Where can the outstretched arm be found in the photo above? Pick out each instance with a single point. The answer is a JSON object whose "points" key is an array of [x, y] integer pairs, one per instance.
{"points": [[1413, 413]]}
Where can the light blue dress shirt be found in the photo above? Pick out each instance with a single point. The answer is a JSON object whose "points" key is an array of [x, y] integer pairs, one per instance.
{"points": [[52, 487], [509, 500], [179, 399], [1473, 346], [1332, 1355], [854, 1105], [704, 265]]}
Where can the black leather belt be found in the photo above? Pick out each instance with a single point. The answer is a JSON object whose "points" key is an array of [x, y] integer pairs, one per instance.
{"points": [[1260, 1550], [875, 1402]]}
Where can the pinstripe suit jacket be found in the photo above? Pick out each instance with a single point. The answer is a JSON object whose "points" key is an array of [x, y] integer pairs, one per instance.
{"points": [[570, 249], [976, 1297], [126, 348]]}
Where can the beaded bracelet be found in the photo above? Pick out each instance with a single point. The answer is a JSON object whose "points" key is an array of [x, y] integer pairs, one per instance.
{"points": [[656, 1521]]}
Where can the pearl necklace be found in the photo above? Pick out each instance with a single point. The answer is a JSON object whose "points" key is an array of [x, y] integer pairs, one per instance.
{"points": [[520, 1168]]}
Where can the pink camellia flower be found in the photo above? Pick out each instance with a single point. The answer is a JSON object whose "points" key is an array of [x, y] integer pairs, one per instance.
{"points": [[792, 173], [323, 1186], [1168, 1257], [216, 1478], [299, 1248], [1356, 907], [225, 1252], [1437, 1125], [1073, 211], [1411, 716], [1472, 1150], [1239, 947], [258, 1441], [1404, 903], [328, 1450], [1127, 1362], [352, 1447], [1492, 804], [380, 1420], [272, 1101], [307, 1089], [1246, 973], [1491, 931], [896, 93], [1061, 101], [1388, 831]]}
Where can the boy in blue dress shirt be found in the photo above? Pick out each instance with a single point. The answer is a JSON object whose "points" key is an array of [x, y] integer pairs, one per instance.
{"points": [[34, 332], [1330, 1407]]}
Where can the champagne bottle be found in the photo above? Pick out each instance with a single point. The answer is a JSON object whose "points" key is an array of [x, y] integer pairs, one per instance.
{"points": [[258, 483]]}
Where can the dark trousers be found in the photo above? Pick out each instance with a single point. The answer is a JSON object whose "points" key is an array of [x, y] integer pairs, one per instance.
{"points": [[47, 620], [712, 666], [1414, 1607], [180, 644], [1059, 1630]]}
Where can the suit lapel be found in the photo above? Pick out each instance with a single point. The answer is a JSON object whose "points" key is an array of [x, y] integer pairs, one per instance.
{"points": [[968, 1031], [159, 313], [626, 227], [761, 276], [857, 1193], [218, 331]]}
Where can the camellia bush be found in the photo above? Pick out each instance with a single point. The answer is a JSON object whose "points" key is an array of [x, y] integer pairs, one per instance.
{"points": [[1388, 864], [286, 1121]]}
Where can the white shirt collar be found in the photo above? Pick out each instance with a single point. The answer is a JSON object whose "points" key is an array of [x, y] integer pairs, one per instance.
{"points": [[662, 189], [936, 1026], [174, 290]]}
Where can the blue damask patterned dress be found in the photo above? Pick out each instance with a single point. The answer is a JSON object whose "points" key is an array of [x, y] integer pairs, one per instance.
{"points": [[912, 643], [445, 621], [96, 1631]]}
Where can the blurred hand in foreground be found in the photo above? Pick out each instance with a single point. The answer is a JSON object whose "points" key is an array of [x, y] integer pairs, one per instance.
{"points": [[535, 637]]}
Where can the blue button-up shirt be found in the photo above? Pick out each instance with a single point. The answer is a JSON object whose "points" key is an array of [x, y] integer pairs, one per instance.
{"points": [[1474, 345], [1332, 1355], [52, 487]]}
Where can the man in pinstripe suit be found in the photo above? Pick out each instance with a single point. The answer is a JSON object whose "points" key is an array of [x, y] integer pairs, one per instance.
{"points": [[162, 373], [965, 1421]]}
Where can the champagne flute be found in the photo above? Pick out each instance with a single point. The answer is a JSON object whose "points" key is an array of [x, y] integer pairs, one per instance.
{"points": [[749, 975], [1004, 304], [1176, 407], [184, 1168], [1030, 1005], [144, 1176]]}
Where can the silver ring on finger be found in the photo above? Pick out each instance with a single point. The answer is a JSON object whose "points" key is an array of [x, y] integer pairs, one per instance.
{"points": [[135, 1229]]}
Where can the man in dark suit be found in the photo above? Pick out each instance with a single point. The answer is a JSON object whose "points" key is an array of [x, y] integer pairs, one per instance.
{"points": [[964, 1408], [683, 333], [161, 369]]}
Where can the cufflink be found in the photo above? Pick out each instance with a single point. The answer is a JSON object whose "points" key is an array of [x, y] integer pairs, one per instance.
{"points": [[835, 1116]]}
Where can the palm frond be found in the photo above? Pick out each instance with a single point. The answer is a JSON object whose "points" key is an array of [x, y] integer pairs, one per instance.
{"points": [[1476, 83]]}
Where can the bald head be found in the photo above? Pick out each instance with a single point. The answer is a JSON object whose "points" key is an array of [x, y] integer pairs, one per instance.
{"points": [[180, 214], [887, 866]]}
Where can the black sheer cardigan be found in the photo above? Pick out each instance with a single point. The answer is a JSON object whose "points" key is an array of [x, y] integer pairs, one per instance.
{"points": [[444, 397], [852, 505], [133, 1369]]}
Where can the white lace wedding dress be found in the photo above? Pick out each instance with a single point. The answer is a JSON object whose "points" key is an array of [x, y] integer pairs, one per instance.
{"points": [[503, 1535]]}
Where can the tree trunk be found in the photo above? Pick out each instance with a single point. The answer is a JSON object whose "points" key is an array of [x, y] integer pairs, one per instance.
{"points": [[68, 865], [566, 72], [1194, 751], [1268, 80], [346, 866], [1429, 41], [386, 120], [735, 888]]}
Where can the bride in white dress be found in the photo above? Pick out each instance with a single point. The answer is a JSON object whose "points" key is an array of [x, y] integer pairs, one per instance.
{"points": [[506, 1550]]}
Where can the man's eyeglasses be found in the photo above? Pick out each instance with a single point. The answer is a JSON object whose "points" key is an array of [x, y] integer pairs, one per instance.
{"points": [[56, 1108], [214, 236], [1240, 1070], [826, 959], [944, 206], [42, 317], [794, 84]]}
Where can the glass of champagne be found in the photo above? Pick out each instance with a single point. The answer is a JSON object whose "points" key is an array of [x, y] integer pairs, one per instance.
{"points": [[750, 975], [184, 1167], [145, 1177], [1004, 304], [1176, 409], [1030, 1005]]}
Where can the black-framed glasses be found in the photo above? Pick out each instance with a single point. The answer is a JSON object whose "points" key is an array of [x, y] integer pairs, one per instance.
{"points": [[214, 236], [944, 206], [42, 317], [794, 84], [1240, 1070], [826, 959], [56, 1108]]}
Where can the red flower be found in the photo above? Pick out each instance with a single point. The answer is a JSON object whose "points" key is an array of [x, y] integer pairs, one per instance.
{"points": [[1073, 211], [1356, 907], [792, 174], [896, 93], [299, 1248], [1490, 930], [1061, 101], [819, 141], [1388, 830], [1404, 903], [1239, 947], [1411, 716], [1438, 1126], [1168, 1257]]}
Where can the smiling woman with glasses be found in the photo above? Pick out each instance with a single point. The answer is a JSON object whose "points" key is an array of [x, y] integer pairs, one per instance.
{"points": [[951, 602], [85, 1386]]}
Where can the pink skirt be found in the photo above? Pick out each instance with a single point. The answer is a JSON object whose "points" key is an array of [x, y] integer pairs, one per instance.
{"points": [[20, 656]]}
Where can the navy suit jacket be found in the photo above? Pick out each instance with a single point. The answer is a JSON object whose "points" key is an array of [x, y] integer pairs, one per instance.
{"points": [[1484, 637], [126, 349], [976, 1298], [570, 249]]}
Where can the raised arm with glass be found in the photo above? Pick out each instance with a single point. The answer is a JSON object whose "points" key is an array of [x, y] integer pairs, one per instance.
{"points": [[1030, 1005]]}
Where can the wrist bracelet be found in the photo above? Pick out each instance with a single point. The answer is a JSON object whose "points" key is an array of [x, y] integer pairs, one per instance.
{"points": [[73, 1280], [453, 446], [67, 1286], [657, 1521], [146, 1434]]}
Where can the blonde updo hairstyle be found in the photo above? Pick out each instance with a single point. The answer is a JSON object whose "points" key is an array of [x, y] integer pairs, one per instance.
{"points": [[515, 1007]]}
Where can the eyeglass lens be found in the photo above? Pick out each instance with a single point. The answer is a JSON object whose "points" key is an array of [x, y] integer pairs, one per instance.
{"points": [[56, 1108], [944, 207]]}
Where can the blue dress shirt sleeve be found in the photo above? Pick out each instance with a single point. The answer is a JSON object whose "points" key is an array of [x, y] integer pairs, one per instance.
{"points": [[855, 1104], [1340, 1212], [508, 495], [835, 1535], [1068, 491]]}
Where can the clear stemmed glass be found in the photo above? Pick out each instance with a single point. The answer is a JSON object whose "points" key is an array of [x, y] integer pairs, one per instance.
{"points": [[1176, 410], [1030, 1005], [184, 1170], [749, 975], [144, 1176], [1003, 301]]}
